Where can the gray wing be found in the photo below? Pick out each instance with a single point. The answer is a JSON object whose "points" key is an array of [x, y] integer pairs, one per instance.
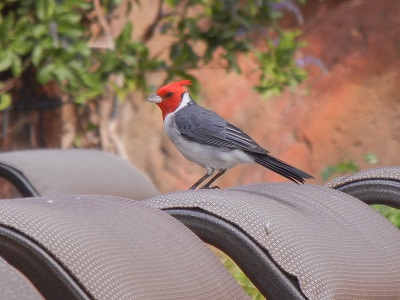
{"points": [[201, 125]]}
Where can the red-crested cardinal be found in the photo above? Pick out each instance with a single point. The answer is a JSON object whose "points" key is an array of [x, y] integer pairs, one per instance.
{"points": [[206, 139]]}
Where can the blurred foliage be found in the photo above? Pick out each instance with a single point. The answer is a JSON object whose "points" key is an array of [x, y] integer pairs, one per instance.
{"points": [[341, 168], [236, 27], [238, 274], [347, 166], [370, 158], [54, 40], [392, 214], [278, 67]]}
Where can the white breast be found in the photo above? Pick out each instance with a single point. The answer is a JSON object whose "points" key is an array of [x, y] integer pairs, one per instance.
{"points": [[207, 156]]}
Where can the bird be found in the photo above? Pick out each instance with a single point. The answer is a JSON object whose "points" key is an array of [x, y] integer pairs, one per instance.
{"points": [[208, 140]]}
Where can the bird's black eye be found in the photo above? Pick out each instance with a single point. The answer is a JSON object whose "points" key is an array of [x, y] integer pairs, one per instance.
{"points": [[169, 94]]}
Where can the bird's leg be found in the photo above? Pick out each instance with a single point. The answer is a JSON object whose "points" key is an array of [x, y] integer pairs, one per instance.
{"points": [[219, 174], [198, 182]]}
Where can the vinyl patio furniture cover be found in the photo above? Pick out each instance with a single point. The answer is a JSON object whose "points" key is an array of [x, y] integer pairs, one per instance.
{"points": [[47, 172], [335, 245], [105, 247]]}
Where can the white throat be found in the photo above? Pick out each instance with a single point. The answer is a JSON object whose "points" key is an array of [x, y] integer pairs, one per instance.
{"points": [[185, 101]]}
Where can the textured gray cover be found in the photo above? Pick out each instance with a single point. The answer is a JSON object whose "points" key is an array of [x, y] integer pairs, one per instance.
{"points": [[391, 173], [374, 186], [75, 171], [337, 246], [14, 286], [122, 249]]}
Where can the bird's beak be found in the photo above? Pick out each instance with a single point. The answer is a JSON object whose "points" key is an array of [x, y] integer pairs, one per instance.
{"points": [[154, 98]]}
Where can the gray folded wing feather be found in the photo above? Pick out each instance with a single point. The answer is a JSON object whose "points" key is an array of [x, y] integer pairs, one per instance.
{"points": [[203, 126]]}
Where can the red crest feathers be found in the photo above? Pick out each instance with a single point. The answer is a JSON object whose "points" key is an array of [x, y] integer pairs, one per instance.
{"points": [[177, 86], [182, 82]]}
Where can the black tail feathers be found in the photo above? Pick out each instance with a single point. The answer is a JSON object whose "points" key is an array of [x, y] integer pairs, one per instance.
{"points": [[281, 168]]}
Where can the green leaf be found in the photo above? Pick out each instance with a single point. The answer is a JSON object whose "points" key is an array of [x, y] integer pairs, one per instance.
{"points": [[370, 158], [90, 80], [8, 24], [73, 32], [70, 18], [87, 95], [5, 101], [16, 66], [37, 55], [62, 73], [46, 43], [6, 60], [83, 49], [39, 30], [45, 74], [44, 9], [124, 37], [22, 46]]}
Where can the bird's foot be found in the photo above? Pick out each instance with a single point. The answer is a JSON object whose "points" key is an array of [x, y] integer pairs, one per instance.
{"points": [[207, 187]]}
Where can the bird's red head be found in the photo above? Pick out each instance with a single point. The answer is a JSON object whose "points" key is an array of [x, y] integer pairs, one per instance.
{"points": [[169, 97]]}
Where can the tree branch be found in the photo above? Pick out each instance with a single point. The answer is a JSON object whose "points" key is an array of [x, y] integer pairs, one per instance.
{"points": [[149, 33]]}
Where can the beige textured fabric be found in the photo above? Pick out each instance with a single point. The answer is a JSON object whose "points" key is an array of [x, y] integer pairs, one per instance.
{"points": [[374, 173], [122, 249], [14, 286], [337, 246], [58, 172]]}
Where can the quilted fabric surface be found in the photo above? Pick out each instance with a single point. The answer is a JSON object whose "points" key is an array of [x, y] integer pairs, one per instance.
{"points": [[75, 171], [121, 249], [14, 286], [337, 246], [389, 173]]}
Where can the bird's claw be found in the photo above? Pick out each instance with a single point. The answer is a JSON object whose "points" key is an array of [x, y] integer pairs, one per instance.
{"points": [[210, 187]]}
